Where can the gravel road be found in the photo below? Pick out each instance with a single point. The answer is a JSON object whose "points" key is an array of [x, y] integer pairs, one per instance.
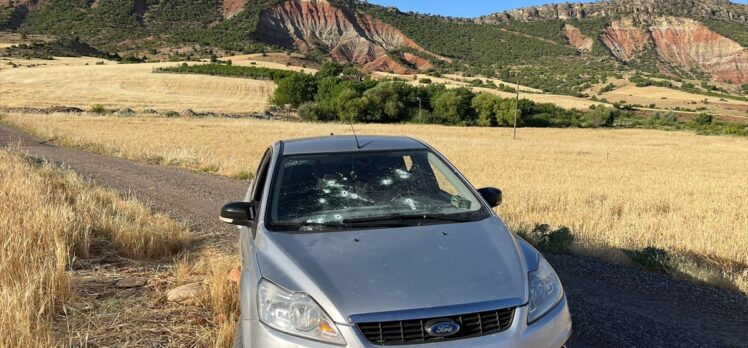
{"points": [[611, 305]]}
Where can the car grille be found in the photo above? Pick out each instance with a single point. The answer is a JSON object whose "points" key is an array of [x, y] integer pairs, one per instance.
{"points": [[391, 333]]}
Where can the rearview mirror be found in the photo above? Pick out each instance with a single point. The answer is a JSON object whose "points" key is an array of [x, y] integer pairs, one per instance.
{"points": [[492, 195], [238, 213]]}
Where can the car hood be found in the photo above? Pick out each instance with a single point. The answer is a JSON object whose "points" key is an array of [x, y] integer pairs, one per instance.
{"points": [[398, 269]]}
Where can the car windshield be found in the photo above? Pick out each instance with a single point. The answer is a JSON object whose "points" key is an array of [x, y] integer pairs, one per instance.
{"points": [[368, 189]]}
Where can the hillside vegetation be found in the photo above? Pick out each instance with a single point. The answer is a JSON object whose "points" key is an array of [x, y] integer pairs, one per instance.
{"points": [[169, 21], [529, 45]]}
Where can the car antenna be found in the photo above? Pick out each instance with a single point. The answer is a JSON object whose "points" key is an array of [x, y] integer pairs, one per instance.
{"points": [[358, 145]]}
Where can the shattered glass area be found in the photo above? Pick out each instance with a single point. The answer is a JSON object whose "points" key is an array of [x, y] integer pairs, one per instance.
{"points": [[335, 187]]}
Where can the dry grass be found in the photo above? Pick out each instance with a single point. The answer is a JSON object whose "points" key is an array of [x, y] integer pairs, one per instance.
{"points": [[49, 218], [221, 295], [127, 85], [670, 98], [616, 189], [271, 61]]}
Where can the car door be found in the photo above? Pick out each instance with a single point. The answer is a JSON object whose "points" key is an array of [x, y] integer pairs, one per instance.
{"points": [[254, 194]]}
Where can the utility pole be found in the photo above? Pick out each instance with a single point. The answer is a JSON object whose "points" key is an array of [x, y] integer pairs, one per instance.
{"points": [[516, 112], [420, 117]]}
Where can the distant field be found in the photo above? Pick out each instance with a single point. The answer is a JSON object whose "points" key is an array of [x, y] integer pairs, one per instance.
{"points": [[670, 98], [81, 82], [126, 86], [616, 189]]}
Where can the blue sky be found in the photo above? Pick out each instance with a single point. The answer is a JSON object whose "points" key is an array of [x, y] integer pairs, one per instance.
{"points": [[467, 8]]}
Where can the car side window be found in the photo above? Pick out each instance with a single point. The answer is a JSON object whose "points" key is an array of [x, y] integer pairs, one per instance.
{"points": [[261, 179]]}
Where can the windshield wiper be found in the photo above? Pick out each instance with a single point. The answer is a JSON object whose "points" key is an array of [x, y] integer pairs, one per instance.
{"points": [[340, 224], [405, 217]]}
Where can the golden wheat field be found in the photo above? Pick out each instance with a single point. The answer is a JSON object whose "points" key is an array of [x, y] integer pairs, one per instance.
{"points": [[669, 98], [616, 189], [126, 86], [54, 291]]}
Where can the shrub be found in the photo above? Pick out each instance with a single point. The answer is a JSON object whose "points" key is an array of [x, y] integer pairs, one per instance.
{"points": [[609, 87], [650, 258], [601, 116], [554, 241], [98, 109], [314, 112], [703, 119], [425, 81], [329, 69]]}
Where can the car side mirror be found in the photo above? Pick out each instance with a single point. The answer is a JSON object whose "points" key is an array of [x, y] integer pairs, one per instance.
{"points": [[238, 213], [492, 195]]}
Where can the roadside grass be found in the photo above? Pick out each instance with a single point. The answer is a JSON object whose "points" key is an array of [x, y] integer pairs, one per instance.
{"points": [[64, 243], [220, 296], [616, 190]]}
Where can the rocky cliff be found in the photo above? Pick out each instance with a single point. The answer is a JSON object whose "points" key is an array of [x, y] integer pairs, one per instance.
{"points": [[672, 28], [348, 36], [577, 39], [641, 9], [625, 39], [689, 44], [232, 7]]}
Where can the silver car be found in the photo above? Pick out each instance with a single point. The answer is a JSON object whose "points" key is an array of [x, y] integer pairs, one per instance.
{"points": [[380, 241]]}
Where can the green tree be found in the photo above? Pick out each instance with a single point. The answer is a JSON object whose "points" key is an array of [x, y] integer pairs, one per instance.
{"points": [[387, 102], [349, 105], [505, 113], [454, 105], [329, 69], [485, 106], [601, 116], [295, 90]]}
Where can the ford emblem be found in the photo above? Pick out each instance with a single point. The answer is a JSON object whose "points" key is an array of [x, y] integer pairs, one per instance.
{"points": [[442, 327]]}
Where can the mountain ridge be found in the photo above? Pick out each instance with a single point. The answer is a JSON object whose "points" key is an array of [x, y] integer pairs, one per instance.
{"points": [[647, 9], [564, 48]]}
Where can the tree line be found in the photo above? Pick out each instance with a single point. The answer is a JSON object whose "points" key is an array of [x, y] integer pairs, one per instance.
{"points": [[338, 94]]}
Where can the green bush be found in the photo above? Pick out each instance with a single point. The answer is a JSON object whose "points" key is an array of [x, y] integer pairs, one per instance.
{"points": [[314, 112], [329, 69], [98, 109], [601, 116], [609, 87], [703, 119], [295, 90], [547, 240], [650, 258]]}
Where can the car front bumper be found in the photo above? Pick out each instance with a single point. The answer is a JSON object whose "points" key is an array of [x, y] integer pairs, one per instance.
{"points": [[552, 330]]}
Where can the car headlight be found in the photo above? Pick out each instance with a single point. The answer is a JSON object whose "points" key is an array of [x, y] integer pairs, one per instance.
{"points": [[545, 290], [296, 314]]}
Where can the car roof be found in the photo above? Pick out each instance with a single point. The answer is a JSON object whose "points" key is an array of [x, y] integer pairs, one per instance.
{"points": [[347, 143]]}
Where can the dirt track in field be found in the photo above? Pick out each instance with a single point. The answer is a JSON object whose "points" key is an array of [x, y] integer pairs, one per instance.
{"points": [[611, 305]]}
